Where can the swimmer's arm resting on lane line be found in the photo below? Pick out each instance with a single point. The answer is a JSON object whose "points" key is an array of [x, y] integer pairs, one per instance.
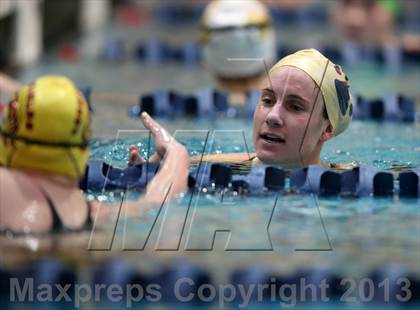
{"points": [[171, 179], [227, 158], [234, 158], [241, 158]]}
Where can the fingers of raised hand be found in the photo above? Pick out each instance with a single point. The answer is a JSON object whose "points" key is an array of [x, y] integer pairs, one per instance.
{"points": [[158, 132], [134, 157]]}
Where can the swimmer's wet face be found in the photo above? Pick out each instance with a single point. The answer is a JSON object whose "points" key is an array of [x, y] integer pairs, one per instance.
{"points": [[289, 126]]}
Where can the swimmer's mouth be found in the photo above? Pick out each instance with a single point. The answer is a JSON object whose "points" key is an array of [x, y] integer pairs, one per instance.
{"points": [[272, 138]]}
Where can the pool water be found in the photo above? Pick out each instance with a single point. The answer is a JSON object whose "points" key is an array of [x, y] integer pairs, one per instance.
{"points": [[351, 237], [360, 233], [283, 233], [383, 145]]}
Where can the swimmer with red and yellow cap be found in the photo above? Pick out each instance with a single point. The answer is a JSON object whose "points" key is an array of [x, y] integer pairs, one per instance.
{"points": [[304, 102], [44, 147]]}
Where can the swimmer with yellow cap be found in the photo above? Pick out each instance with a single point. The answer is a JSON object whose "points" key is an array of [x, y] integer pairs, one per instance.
{"points": [[46, 127], [44, 147], [305, 101]]}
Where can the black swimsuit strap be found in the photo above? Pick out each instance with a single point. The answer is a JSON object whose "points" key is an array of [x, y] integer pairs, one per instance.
{"points": [[89, 221], [58, 225]]}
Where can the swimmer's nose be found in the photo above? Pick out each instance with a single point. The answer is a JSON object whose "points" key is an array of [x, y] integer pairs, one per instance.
{"points": [[274, 117]]}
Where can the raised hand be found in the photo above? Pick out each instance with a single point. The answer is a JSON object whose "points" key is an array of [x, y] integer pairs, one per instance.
{"points": [[163, 140]]}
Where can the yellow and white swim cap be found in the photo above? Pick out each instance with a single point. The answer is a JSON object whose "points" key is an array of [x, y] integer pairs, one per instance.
{"points": [[46, 127], [235, 30], [332, 81]]}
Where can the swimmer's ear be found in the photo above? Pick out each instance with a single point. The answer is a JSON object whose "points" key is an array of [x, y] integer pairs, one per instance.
{"points": [[327, 134]]}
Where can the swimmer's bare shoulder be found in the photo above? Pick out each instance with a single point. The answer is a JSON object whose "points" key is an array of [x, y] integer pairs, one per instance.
{"points": [[27, 192]]}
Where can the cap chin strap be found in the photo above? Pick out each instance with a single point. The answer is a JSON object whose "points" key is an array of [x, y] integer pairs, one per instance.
{"points": [[64, 145], [74, 162], [69, 154]]}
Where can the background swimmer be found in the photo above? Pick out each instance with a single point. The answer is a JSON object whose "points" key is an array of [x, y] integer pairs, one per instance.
{"points": [[238, 44], [44, 147], [305, 102], [367, 25]]}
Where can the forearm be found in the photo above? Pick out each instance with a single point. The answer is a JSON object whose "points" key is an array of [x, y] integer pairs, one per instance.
{"points": [[172, 177], [225, 158]]}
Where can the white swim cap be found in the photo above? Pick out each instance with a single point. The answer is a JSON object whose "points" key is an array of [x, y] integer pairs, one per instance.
{"points": [[237, 30]]}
